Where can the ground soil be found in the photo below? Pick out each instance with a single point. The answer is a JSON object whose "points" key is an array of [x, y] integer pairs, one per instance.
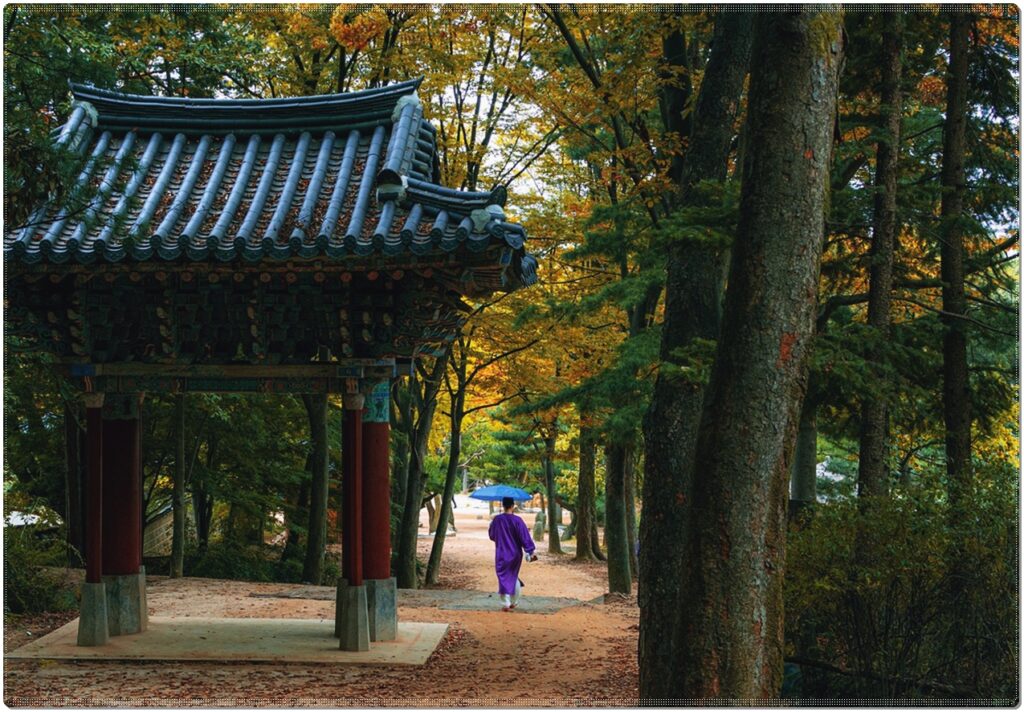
{"points": [[583, 655]]}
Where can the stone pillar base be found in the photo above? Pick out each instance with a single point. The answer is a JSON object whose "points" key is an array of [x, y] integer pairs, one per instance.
{"points": [[382, 607], [351, 622], [127, 611], [92, 620]]}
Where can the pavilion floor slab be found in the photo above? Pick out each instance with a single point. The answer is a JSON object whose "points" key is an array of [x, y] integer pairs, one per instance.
{"points": [[239, 639]]}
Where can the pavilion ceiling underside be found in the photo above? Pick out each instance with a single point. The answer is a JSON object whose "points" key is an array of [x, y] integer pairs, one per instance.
{"points": [[254, 317]]}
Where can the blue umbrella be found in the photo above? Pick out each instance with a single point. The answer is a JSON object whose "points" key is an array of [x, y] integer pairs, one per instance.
{"points": [[495, 493]]}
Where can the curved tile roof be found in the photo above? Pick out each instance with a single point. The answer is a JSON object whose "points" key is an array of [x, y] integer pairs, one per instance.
{"points": [[342, 175]]}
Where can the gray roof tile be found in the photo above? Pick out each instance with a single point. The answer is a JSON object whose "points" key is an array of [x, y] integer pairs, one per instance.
{"points": [[344, 176]]}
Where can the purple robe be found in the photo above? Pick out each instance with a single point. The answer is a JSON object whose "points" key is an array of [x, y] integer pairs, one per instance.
{"points": [[510, 536]]}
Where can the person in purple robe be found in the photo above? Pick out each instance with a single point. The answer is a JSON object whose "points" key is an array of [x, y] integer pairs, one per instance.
{"points": [[511, 538]]}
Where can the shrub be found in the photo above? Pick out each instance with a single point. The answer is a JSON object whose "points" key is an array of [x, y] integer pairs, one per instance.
{"points": [[35, 579], [227, 560], [903, 600]]}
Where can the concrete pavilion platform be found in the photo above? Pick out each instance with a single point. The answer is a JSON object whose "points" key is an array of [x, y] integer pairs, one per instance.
{"points": [[239, 640]]}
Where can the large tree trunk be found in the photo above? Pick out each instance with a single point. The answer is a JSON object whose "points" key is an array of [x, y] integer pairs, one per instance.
{"points": [[586, 527], [693, 296], [731, 619], [454, 452], [616, 535], [956, 394], [316, 537], [405, 566], [873, 473], [178, 495], [554, 515]]}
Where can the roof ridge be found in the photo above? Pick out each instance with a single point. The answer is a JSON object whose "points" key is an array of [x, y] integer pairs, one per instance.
{"points": [[85, 91], [362, 109]]}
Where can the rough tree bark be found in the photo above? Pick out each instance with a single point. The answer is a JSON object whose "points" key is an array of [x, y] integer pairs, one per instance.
{"points": [[316, 536], [178, 495], [873, 472], [692, 311], [956, 395], [616, 537], [586, 526], [731, 619]]}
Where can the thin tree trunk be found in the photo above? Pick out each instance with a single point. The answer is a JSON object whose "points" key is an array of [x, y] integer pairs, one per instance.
{"points": [[615, 527], [405, 568], [956, 395], [873, 473], [406, 565], [454, 452], [202, 509], [229, 525], [629, 499], [804, 475], [202, 501], [401, 416], [178, 496], [731, 618], [595, 544], [585, 507], [431, 515], [693, 296], [73, 484], [299, 505], [554, 541], [316, 537]]}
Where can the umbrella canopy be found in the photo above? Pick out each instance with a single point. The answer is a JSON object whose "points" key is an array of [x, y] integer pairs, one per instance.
{"points": [[495, 493]]}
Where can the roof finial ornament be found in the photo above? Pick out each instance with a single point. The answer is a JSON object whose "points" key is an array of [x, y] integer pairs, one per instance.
{"points": [[405, 101], [90, 110]]}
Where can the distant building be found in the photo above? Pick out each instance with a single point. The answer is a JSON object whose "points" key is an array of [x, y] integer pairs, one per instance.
{"points": [[158, 533]]}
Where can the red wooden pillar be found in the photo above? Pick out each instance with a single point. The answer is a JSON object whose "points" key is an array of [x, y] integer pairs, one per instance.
{"points": [[94, 488], [122, 491], [352, 489], [376, 487]]}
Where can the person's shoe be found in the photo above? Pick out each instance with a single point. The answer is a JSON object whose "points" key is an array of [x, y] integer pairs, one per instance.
{"points": [[513, 606], [507, 608]]}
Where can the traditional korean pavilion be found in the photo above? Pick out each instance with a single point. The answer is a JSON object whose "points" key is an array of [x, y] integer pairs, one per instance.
{"points": [[300, 245]]}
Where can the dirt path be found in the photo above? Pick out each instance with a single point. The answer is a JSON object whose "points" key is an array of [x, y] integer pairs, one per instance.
{"points": [[581, 655]]}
